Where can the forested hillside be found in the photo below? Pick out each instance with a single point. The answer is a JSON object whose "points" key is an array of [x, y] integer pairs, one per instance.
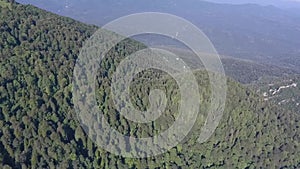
{"points": [[244, 71], [39, 127]]}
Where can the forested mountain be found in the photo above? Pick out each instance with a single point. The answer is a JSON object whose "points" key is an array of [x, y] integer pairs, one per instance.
{"points": [[39, 127]]}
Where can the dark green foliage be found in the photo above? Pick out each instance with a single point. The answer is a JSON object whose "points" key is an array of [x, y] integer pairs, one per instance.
{"points": [[39, 127]]}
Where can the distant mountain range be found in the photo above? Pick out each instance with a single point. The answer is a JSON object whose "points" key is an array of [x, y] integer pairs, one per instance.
{"points": [[264, 34], [284, 4]]}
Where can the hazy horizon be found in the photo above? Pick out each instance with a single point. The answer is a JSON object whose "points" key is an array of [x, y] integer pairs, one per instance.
{"points": [[278, 3]]}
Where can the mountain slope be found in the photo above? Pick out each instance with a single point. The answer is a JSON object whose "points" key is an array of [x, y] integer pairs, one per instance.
{"points": [[39, 128]]}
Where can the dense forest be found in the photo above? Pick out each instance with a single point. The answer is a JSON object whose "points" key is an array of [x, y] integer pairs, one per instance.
{"points": [[39, 127]]}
